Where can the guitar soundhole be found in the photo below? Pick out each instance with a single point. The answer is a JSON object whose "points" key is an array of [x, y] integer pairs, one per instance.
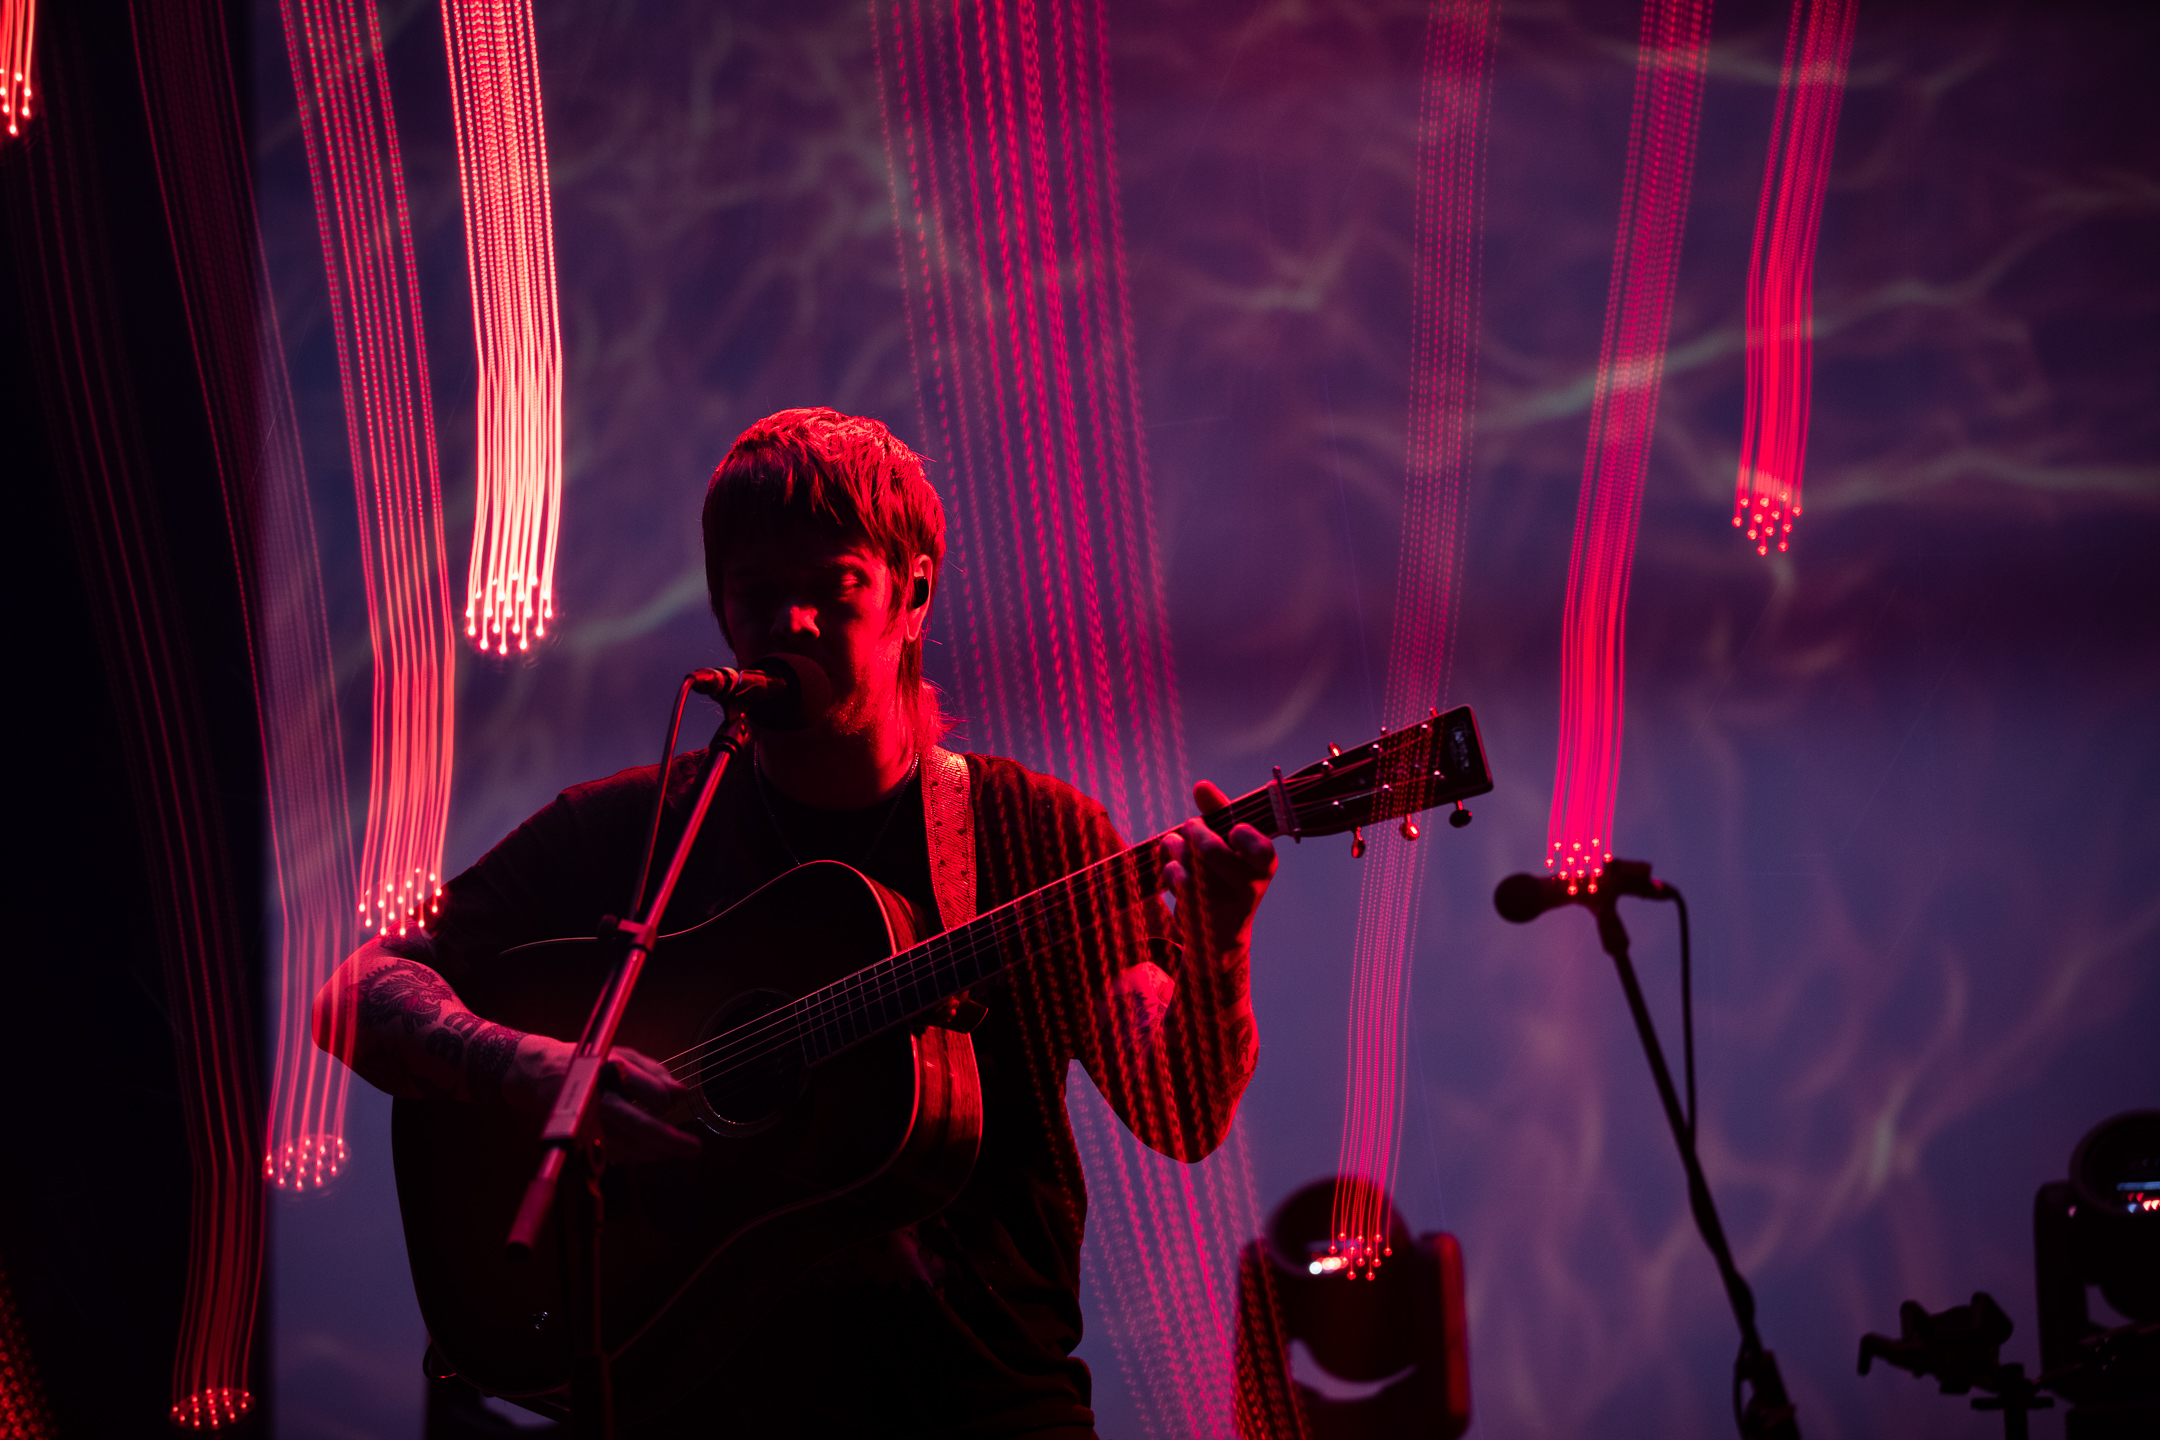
{"points": [[751, 1072]]}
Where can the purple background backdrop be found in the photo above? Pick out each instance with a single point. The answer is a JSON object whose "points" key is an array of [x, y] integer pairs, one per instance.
{"points": [[1902, 774]]}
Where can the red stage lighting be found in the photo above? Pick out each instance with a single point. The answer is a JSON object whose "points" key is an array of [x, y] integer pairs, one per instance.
{"points": [[18, 34], [1443, 369], [1001, 145], [335, 49], [510, 249], [1669, 66], [1781, 274]]}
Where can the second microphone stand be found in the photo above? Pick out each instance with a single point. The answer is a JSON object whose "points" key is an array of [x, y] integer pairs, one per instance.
{"points": [[1765, 1413]]}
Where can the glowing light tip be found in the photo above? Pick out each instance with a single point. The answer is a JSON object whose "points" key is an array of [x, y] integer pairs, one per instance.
{"points": [[402, 904], [1356, 1257], [18, 26], [212, 1409], [306, 1162], [1580, 868]]}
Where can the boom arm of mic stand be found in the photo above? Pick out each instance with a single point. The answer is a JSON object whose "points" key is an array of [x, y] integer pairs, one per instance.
{"points": [[1768, 1413]]}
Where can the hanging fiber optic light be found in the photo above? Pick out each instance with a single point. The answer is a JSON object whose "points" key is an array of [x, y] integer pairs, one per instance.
{"points": [[1443, 371], [1781, 272], [1002, 149], [208, 200], [1669, 69], [510, 250], [335, 49]]}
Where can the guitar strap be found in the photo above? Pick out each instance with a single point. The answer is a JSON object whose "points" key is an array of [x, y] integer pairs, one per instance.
{"points": [[949, 826]]}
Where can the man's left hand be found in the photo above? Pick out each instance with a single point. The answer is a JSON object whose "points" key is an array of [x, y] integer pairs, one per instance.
{"points": [[1232, 872]]}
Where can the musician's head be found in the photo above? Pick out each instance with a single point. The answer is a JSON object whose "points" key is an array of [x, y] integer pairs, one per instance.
{"points": [[823, 538]]}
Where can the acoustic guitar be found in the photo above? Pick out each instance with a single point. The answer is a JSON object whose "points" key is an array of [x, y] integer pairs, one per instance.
{"points": [[834, 1084]]}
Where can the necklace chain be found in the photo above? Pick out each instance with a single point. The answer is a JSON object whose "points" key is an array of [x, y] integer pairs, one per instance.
{"points": [[892, 808]]}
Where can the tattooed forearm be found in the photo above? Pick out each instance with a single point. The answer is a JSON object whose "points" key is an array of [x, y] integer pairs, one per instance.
{"points": [[418, 1041], [487, 1062]]}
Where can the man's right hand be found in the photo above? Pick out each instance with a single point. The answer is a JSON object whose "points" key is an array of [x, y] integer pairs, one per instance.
{"points": [[402, 1028], [632, 1126]]}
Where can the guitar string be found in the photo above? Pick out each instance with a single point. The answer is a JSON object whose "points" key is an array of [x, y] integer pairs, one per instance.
{"points": [[892, 976], [859, 1007], [832, 1006], [1084, 884], [1079, 882], [848, 999]]}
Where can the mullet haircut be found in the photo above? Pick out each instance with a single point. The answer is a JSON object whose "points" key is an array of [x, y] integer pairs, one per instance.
{"points": [[842, 476]]}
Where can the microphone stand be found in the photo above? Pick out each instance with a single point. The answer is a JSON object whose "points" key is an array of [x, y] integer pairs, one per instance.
{"points": [[1767, 1413], [571, 1133]]}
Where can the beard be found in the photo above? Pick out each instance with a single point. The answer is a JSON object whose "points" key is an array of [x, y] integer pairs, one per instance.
{"points": [[869, 707], [863, 712]]}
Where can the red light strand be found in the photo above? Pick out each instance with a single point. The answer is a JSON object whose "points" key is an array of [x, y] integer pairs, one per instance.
{"points": [[112, 493], [1781, 271], [1623, 416], [1443, 375], [335, 49], [23, 1412], [1001, 143], [18, 36], [510, 249], [190, 98]]}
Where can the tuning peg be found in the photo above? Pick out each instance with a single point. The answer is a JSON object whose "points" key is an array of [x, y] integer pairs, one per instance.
{"points": [[1409, 828], [1461, 817], [1357, 843]]}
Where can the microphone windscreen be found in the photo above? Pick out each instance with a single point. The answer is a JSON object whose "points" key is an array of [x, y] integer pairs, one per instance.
{"points": [[1520, 898]]}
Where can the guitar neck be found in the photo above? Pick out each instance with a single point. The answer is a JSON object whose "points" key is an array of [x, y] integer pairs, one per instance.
{"points": [[1426, 764]]}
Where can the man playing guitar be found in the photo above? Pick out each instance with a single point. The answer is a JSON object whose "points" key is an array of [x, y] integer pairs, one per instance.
{"points": [[824, 540]]}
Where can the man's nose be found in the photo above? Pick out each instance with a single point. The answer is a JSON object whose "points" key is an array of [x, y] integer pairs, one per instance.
{"points": [[795, 620]]}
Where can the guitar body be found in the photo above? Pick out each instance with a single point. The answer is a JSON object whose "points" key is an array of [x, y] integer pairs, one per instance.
{"points": [[797, 1163]]}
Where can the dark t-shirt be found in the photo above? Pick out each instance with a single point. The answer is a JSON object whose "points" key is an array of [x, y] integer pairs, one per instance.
{"points": [[965, 1324]]}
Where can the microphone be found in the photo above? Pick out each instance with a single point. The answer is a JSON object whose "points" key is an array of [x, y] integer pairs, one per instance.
{"points": [[780, 692], [1522, 898]]}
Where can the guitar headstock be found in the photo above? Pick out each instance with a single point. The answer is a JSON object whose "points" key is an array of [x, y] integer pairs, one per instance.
{"points": [[1434, 762]]}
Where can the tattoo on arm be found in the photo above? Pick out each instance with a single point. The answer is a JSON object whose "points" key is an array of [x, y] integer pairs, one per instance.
{"points": [[445, 1045], [487, 1062], [406, 999], [405, 994]]}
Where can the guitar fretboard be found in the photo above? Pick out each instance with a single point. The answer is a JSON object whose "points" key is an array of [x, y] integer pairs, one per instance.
{"points": [[903, 986]]}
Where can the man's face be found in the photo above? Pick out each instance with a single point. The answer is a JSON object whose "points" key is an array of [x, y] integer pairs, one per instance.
{"points": [[828, 600]]}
